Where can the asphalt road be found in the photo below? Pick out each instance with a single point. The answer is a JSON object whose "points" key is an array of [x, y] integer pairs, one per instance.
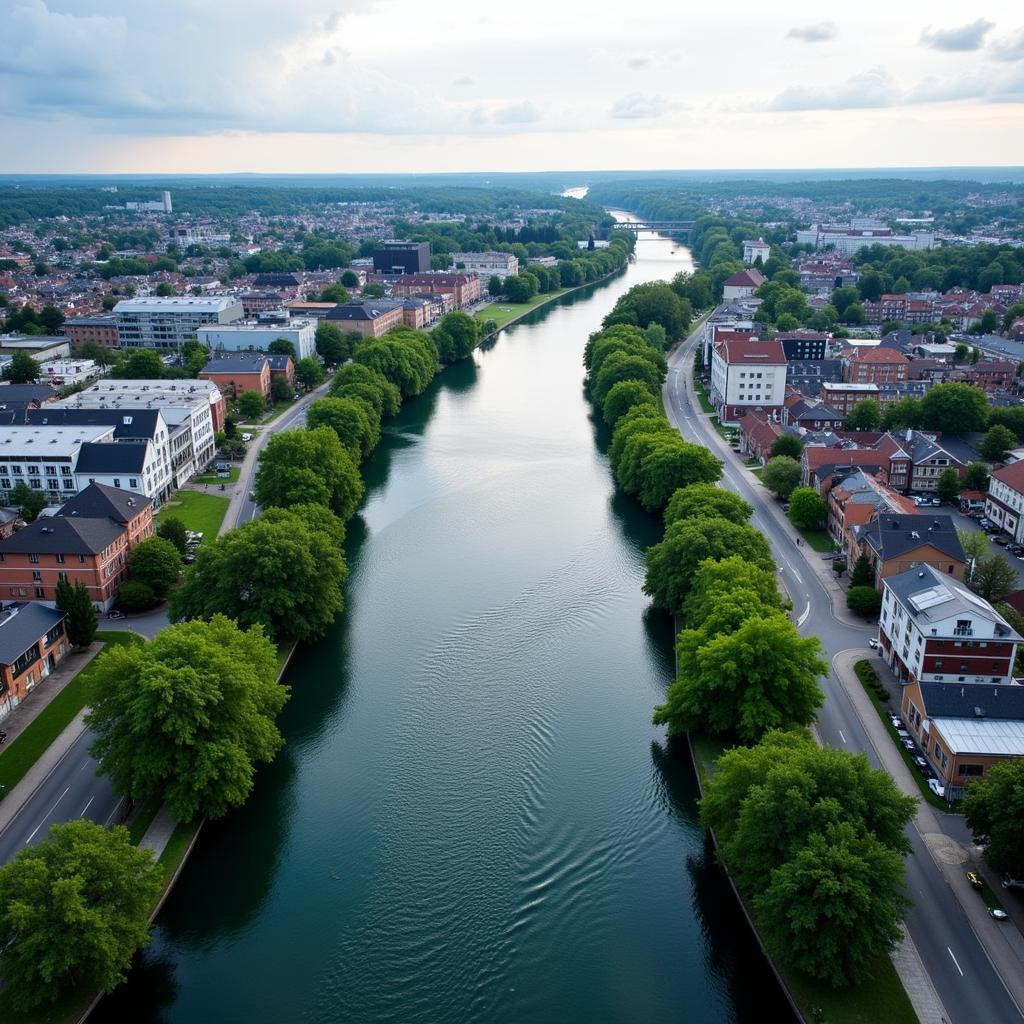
{"points": [[964, 978]]}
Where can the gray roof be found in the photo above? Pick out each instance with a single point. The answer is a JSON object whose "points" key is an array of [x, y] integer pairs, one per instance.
{"points": [[894, 533], [96, 457], [57, 535], [98, 501], [126, 422], [362, 310], [237, 362], [965, 700], [21, 625], [24, 393]]}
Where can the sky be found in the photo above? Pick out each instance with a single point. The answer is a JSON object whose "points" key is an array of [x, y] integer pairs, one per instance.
{"points": [[334, 86]]}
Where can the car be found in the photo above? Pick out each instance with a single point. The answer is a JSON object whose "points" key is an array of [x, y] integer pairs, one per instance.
{"points": [[1002, 540], [936, 501], [222, 473], [1009, 882], [897, 722], [252, 497], [1015, 549], [785, 506], [937, 787], [873, 643], [247, 436], [909, 744], [901, 732], [974, 880], [998, 913], [921, 764]]}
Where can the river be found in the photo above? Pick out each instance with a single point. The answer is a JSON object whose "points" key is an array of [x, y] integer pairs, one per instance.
{"points": [[473, 819]]}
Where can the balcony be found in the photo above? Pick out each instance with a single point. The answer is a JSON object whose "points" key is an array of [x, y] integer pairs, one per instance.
{"points": [[963, 631]]}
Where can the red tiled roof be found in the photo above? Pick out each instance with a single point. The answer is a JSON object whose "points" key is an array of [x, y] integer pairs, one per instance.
{"points": [[751, 278], [761, 353], [1011, 475], [881, 354]]}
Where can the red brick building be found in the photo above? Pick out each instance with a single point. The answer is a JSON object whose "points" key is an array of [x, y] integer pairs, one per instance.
{"points": [[464, 288], [879, 365], [33, 643], [102, 329], [238, 372]]}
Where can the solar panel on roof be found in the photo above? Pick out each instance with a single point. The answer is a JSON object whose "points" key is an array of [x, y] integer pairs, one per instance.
{"points": [[930, 598]]}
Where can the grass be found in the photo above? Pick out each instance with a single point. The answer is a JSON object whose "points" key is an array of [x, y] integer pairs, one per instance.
{"points": [[503, 312], [757, 471], [881, 998], [279, 407], [200, 512], [175, 849], [702, 396], [818, 540], [212, 478], [865, 672], [144, 818], [29, 746]]}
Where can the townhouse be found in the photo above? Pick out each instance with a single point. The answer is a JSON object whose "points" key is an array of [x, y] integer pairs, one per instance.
{"points": [[238, 372], [895, 542]]}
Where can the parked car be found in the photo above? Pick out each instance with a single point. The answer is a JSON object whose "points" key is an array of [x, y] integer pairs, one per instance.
{"points": [[998, 913], [922, 765], [247, 436], [897, 722], [909, 744], [1002, 540], [1009, 882], [873, 643], [901, 732], [936, 501], [937, 787], [974, 880]]}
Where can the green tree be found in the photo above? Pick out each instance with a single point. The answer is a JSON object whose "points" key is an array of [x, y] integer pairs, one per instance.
{"points": [[993, 807], [865, 415], [281, 347], [280, 389], [298, 467], [164, 289], [349, 279], [656, 336], [22, 369], [807, 508], [494, 285], [789, 445], [189, 714], [863, 574], [623, 396], [136, 596], [902, 414], [141, 364], [173, 529], [654, 466], [309, 373], [864, 601], [761, 676], [331, 345], [976, 477], [82, 621], [73, 911], [157, 563], [463, 331], [373, 291], [705, 500], [622, 366], [997, 442], [520, 287], [672, 564], [334, 293], [251, 404], [388, 398], [729, 580], [954, 408], [27, 500], [781, 474], [947, 487], [843, 298], [356, 424], [993, 578]]}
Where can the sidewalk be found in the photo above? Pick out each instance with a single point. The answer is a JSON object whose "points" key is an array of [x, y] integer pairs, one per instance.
{"points": [[1003, 945]]}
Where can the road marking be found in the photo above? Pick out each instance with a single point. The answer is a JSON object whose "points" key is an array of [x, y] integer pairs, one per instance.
{"points": [[841, 736], [958, 967], [117, 807], [803, 618], [85, 764], [48, 813], [86, 807]]}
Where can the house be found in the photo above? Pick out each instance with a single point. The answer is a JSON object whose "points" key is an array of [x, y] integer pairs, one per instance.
{"points": [[756, 250], [897, 542], [809, 414], [33, 643], [964, 729], [464, 288], [370, 318], [1004, 504], [742, 284], [857, 499], [879, 365], [758, 434], [747, 375], [238, 372], [281, 366]]}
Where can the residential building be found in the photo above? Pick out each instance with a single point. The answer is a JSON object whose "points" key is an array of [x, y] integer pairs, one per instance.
{"points": [[742, 284], [756, 250], [464, 288], [487, 264], [369, 317], [33, 643], [896, 542], [17, 399], [758, 434], [747, 375], [844, 396], [874, 366], [101, 329], [402, 258], [803, 344], [261, 302], [857, 499], [818, 274], [1004, 503], [809, 414], [168, 323], [45, 457], [279, 281], [309, 310], [848, 238], [808, 375], [256, 336], [238, 372], [416, 313]]}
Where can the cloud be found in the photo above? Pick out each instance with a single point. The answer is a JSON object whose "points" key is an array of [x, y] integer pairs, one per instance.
{"points": [[1011, 48], [872, 88], [517, 113], [637, 63], [819, 32], [636, 106], [957, 40], [464, 80]]}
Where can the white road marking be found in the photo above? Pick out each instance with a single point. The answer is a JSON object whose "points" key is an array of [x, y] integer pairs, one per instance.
{"points": [[958, 967], [48, 813], [86, 807], [117, 807], [803, 618], [841, 736]]}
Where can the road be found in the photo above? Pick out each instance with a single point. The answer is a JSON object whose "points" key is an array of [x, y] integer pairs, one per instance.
{"points": [[960, 970]]}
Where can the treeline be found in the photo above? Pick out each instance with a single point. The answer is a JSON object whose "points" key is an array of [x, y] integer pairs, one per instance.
{"points": [[888, 269], [803, 830]]}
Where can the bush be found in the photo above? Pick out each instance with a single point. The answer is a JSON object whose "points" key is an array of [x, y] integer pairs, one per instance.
{"points": [[864, 601], [135, 596]]}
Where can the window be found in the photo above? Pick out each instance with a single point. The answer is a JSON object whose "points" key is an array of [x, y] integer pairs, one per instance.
{"points": [[970, 771], [34, 559], [40, 593], [117, 482], [133, 482]]}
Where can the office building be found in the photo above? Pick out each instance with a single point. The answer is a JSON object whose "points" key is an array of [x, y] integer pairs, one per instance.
{"points": [[168, 323], [402, 258]]}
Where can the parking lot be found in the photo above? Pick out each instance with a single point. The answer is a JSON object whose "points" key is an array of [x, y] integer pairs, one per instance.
{"points": [[972, 525]]}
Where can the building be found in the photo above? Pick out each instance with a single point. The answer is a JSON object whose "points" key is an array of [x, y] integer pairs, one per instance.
{"points": [[742, 284], [161, 205], [279, 282], [808, 375], [747, 375], [848, 238], [309, 310], [758, 434], [857, 499], [464, 288], [402, 258], [371, 317], [809, 414], [17, 399], [261, 302], [89, 541], [880, 365], [33, 643], [843, 397], [39, 346], [756, 250], [168, 323], [897, 542], [803, 344], [1004, 504], [487, 264], [252, 336], [416, 313], [101, 329], [238, 372]]}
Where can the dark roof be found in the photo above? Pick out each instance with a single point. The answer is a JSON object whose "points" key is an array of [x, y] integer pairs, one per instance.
{"points": [[51, 535], [362, 310], [27, 393], [95, 457], [21, 625], [276, 280], [278, 361], [126, 422], [237, 362], [965, 700], [98, 501], [893, 534]]}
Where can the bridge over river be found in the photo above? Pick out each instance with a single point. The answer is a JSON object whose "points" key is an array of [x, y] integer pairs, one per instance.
{"points": [[656, 225]]}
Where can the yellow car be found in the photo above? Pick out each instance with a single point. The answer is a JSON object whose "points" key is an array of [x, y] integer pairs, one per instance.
{"points": [[974, 879]]}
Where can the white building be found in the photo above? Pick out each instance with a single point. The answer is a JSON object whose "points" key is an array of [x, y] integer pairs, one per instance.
{"points": [[63, 372], [253, 336], [168, 323], [757, 250], [1004, 504], [848, 238], [45, 457], [486, 264], [748, 375], [742, 284]]}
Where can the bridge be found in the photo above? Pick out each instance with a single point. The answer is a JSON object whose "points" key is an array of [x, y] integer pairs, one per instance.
{"points": [[655, 225]]}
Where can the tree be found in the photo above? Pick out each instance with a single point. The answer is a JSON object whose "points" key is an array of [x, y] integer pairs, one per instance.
{"points": [[22, 369], [902, 414], [976, 477], [623, 366], [356, 424], [172, 529], [251, 404], [494, 285], [705, 500], [282, 571], [789, 445], [331, 345], [141, 364], [865, 415], [371, 384], [334, 293], [997, 442], [623, 396], [993, 578], [82, 620], [656, 336], [654, 466], [280, 390], [781, 474], [863, 574], [309, 373], [73, 911], [349, 279], [520, 287], [993, 807], [807, 508], [373, 291], [188, 714], [281, 347], [136, 596], [28, 501], [761, 676], [164, 289], [864, 601], [463, 331], [298, 467], [947, 487], [157, 563], [717, 583], [954, 408]]}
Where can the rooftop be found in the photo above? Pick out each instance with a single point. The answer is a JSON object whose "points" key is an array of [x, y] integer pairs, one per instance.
{"points": [[21, 625], [177, 304], [894, 534]]}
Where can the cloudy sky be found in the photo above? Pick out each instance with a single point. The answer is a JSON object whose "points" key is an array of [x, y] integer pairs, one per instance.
{"points": [[413, 85]]}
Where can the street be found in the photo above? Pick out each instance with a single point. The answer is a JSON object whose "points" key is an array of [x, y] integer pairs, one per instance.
{"points": [[958, 965]]}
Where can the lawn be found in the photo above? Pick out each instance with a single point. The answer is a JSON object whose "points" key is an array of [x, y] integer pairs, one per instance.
{"points": [[503, 312], [883, 998], [176, 846], [200, 512], [212, 478], [702, 396], [818, 540], [24, 751], [278, 409]]}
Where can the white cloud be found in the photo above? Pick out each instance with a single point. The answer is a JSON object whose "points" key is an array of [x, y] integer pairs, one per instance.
{"points": [[819, 32], [636, 106], [1011, 48], [638, 63], [517, 113], [957, 40], [464, 80], [872, 88]]}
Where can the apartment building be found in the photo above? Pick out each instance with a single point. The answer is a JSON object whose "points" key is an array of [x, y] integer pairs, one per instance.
{"points": [[371, 317], [33, 643], [1004, 503], [256, 336], [487, 264], [895, 542], [238, 372], [101, 329], [748, 375], [879, 365], [166, 324], [464, 288]]}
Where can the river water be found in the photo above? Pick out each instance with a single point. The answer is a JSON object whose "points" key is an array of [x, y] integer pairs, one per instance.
{"points": [[473, 819]]}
